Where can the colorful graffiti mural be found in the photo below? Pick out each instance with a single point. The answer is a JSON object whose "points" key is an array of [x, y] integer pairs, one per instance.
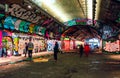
{"points": [[13, 23], [111, 46], [79, 21], [106, 31]]}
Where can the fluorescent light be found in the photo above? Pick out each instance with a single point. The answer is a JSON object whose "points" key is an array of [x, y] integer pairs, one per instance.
{"points": [[97, 9], [29, 7], [90, 8]]}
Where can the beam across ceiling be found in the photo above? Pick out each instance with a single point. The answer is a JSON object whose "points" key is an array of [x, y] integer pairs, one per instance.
{"points": [[80, 4], [80, 32]]}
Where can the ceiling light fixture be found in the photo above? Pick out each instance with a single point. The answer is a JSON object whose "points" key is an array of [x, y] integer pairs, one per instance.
{"points": [[90, 8], [97, 9], [29, 6]]}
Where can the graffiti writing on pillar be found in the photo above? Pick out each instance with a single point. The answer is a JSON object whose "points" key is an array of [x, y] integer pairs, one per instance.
{"points": [[18, 11]]}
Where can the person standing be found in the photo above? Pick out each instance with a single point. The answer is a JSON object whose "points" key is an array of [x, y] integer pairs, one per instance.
{"points": [[81, 50], [56, 49], [26, 49], [86, 50], [30, 48], [4, 51]]}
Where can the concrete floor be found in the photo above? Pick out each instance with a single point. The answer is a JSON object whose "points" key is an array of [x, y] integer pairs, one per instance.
{"points": [[69, 65]]}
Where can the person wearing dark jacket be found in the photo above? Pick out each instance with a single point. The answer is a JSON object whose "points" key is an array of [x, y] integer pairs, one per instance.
{"points": [[56, 49], [26, 49], [81, 50], [30, 48], [4, 51]]}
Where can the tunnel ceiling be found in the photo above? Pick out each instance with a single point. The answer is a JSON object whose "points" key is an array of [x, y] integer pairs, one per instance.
{"points": [[80, 32], [64, 10], [105, 11]]}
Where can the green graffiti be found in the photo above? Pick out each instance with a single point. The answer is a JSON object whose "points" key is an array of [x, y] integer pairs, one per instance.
{"points": [[118, 20], [81, 23]]}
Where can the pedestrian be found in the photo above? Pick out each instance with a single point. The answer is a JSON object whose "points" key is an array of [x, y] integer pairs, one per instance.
{"points": [[4, 51], [86, 49], [30, 48], [81, 50], [26, 49], [56, 49]]}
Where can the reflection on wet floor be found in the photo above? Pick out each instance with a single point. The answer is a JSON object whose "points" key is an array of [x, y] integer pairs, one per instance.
{"points": [[113, 62], [95, 62]]}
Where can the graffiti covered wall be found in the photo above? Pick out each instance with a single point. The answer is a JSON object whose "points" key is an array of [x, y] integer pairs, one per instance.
{"points": [[111, 46]]}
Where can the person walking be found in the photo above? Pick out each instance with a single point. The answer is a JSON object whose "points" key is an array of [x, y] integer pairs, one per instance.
{"points": [[56, 49], [81, 50], [26, 49], [86, 49], [30, 48]]}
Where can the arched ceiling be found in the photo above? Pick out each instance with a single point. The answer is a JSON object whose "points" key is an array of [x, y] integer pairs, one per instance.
{"points": [[61, 10], [80, 32], [105, 11], [64, 10]]}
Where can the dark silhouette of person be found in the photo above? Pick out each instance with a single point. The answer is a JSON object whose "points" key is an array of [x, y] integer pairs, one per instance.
{"points": [[4, 51], [81, 50], [30, 49], [26, 49], [56, 49]]}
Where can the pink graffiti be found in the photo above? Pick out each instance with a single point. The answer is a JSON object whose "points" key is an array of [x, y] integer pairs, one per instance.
{"points": [[112, 46], [47, 21]]}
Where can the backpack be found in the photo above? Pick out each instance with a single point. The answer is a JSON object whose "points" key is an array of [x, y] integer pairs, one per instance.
{"points": [[30, 46]]}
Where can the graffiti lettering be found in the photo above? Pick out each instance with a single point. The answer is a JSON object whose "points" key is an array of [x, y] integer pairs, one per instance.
{"points": [[18, 11], [26, 15]]}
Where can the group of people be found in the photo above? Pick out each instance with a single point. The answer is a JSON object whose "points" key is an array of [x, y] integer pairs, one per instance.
{"points": [[29, 48], [85, 49]]}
